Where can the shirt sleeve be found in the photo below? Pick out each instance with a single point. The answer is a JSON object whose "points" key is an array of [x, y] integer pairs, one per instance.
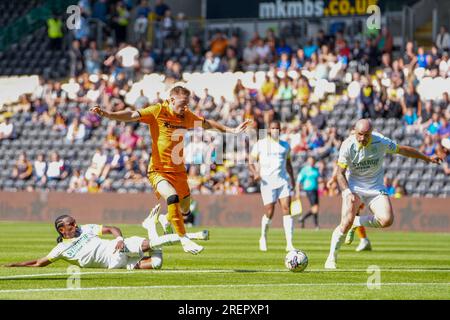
{"points": [[343, 159], [55, 254], [193, 120], [94, 229], [389, 145], [149, 113]]}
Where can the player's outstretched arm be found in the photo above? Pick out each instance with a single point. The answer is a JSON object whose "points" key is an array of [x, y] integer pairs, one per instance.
{"points": [[33, 263], [126, 115], [411, 152], [211, 124]]}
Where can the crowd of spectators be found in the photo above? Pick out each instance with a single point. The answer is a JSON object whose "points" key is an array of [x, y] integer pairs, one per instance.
{"points": [[300, 86]]}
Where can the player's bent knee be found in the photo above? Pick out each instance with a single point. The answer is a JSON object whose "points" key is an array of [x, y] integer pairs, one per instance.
{"points": [[173, 199], [156, 262], [386, 222]]}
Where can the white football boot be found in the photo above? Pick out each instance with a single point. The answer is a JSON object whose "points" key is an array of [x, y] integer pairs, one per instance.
{"points": [[364, 245]]}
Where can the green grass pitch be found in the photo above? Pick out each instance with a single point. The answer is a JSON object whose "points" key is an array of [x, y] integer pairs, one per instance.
{"points": [[413, 266]]}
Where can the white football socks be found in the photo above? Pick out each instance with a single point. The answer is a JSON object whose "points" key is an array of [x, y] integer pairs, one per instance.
{"points": [[336, 241], [265, 223], [288, 225], [366, 221]]}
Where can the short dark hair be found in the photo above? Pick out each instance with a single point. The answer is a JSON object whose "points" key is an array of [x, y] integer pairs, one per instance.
{"points": [[180, 90]]}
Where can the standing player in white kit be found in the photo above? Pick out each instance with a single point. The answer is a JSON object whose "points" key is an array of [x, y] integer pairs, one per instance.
{"points": [[360, 177], [271, 164]]}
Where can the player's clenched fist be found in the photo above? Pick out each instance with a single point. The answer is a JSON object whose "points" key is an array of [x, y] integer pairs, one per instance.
{"points": [[98, 111]]}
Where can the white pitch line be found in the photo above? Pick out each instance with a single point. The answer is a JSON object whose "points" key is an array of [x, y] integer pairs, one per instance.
{"points": [[393, 284], [34, 275]]}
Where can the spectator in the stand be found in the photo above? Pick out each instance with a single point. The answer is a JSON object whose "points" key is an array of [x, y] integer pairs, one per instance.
{"points": [[92, 185], [231, 61], [427, 113], [409, 58], [40, 169], [6, 129], [141, 22], [90, 121], [385, 41], [55, 32], [411, 99], [370, 54], [283, 47], [268, 88], [76, 131], [128, 139], [422, 58], [131, 173], [428, 147], [310, 49], [319, 120], [443, 39], [211, 63], [77, 182], [181, 28], [142, 101], [444, 130], [160, 9], [120, 20], [435, 125], [410, 117], [128, 57], [196, 46], [56, 168], [250, 56], [263, 51], [168, 29], [93, 58], [76, 59], [303, 92], [82, 29], [40, 107], [218, 44], [284, 62], [147, 63], [23, 169], [100, 10], [97, 165], [367, 100], [285, 90]]}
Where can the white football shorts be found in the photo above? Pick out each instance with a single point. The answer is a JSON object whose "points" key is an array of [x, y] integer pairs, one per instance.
{"points": [[129, 257], [270, 195], [368, 196]]}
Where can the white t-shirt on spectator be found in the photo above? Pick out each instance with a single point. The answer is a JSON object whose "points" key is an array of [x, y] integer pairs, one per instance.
{"points": [[128, 55], [97, 164], [39, 168], [79, 134], [6, 129], [55, 168]]}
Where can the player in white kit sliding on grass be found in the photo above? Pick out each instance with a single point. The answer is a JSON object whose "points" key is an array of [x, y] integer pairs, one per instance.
{"points": [[360, 177], [270, 163], [82, 246]]}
